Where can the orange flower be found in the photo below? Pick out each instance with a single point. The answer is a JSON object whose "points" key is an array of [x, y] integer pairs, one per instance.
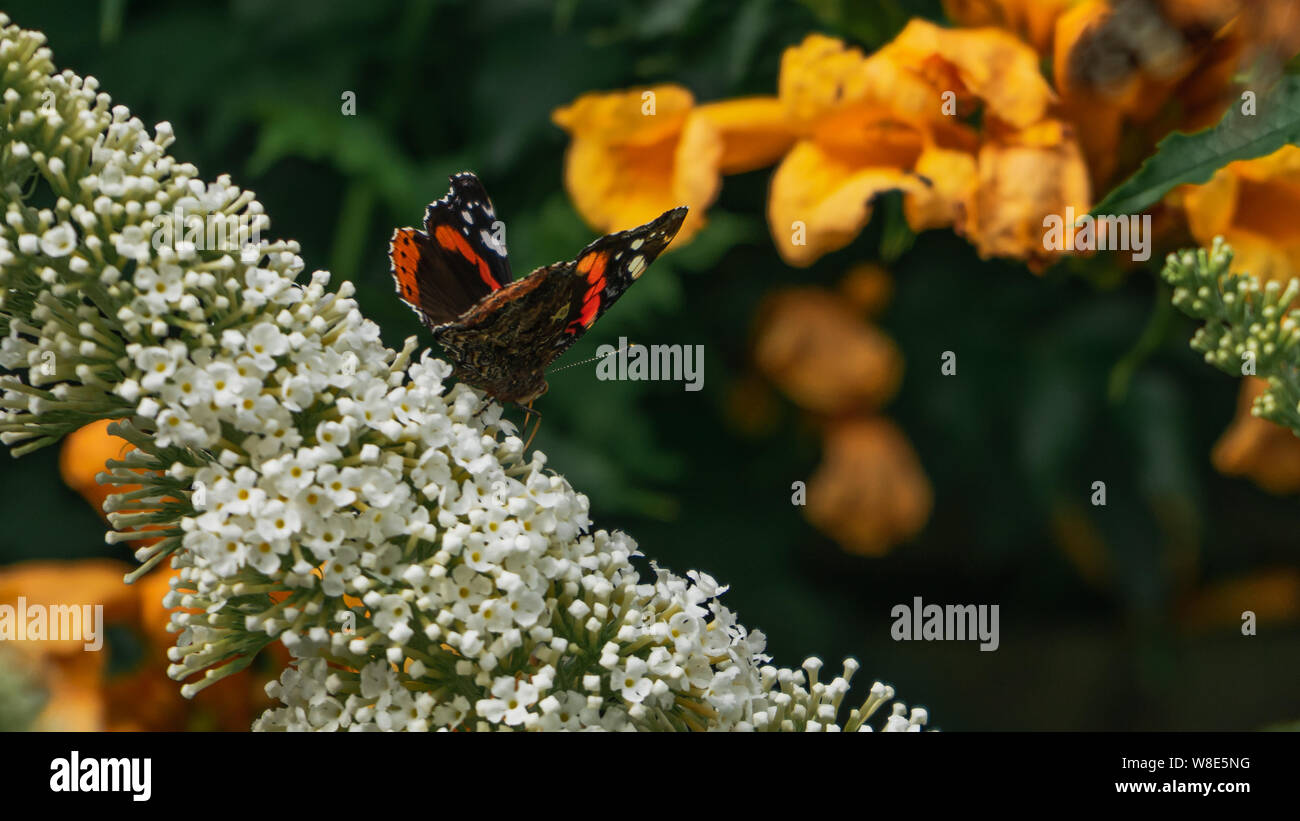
{"points": [[640, 152], [869, 492], [888, 122], [82, 457], [1252, 204], [1023, 177], [863, 125], [81, 694], [1131, 73], [821, 355], [71, 675], [1265, 453], [988, 65]]}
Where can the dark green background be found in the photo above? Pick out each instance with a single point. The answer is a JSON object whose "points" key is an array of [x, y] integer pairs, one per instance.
{"points": [[253, 89]]}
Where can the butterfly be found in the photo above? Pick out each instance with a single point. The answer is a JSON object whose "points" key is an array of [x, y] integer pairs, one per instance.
{"points": [[501, 333]]}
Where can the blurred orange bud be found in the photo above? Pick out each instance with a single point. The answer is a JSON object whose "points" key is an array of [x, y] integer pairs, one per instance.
{"points": [[869, 492], [814, 347], [868, 287]]}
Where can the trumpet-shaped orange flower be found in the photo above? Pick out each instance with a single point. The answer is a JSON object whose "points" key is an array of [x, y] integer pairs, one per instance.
{"points": [[862, 126], [893, 122], [1253, 205], [637, 153], [1267, 454]]}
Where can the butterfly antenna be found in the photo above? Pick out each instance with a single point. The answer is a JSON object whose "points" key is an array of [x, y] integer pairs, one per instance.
{"points": [[592, 359]]}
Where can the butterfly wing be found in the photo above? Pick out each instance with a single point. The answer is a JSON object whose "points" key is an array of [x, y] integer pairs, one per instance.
{"points": [[457, 260], [606, 268], [504, 343]]}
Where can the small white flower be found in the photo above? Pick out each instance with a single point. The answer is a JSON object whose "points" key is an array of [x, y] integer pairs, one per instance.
{"points": [[59, 241], [133, 243]]}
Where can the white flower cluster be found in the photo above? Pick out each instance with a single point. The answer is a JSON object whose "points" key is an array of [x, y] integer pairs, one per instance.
{"points": [[314, 487]]}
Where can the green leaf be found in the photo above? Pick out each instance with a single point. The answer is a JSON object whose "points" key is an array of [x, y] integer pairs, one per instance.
{"points": [[1193, 158]]}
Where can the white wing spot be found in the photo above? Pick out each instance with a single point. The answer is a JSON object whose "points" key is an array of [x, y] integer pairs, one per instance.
{"points": [[637, 243], [467, 216], [636, 266]]}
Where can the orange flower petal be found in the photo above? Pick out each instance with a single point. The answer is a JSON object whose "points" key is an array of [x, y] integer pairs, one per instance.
{"points": [[638, 116], [1265, 453], [754, 130], [818, 75], [989, 63], [1252, 203], [1032, 20], [1024, 177], [1083, 34], [633, 157], [955, 178], [83, 455], [822, 75], [1272, 595], [819, 202], [1211, 207]]}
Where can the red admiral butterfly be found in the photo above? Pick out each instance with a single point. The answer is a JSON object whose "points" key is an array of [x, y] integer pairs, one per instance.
{"points": [[501, 333]]}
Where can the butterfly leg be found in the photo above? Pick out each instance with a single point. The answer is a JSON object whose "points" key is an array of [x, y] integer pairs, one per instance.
{"points": [[527, 410]]}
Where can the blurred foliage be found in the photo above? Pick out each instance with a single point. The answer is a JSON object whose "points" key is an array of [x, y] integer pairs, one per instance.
{"points": [[1012, 443]]}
